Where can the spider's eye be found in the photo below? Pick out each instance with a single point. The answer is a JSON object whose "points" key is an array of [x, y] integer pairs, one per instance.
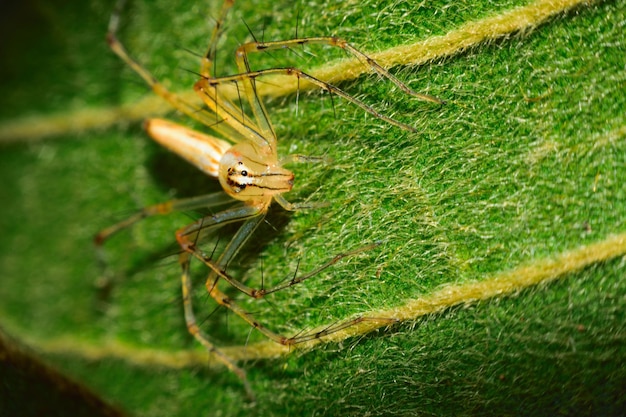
{"points": [[244, 173]]}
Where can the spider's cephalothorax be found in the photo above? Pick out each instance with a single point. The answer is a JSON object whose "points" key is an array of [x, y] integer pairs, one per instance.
{"points": [[246, 175]]}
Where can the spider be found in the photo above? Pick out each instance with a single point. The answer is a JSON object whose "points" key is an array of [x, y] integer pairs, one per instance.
{"points": [[247, 165]]}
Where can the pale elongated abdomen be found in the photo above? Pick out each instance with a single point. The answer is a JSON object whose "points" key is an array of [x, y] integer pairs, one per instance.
{"points": [[203, 151]]}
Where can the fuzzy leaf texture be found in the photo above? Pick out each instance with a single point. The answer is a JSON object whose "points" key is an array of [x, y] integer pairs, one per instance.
{"points": [[501, 220]]}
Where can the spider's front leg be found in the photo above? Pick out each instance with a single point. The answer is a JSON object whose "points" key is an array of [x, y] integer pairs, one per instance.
{"points": [[218, 271], [187, 237], [254, 47]]}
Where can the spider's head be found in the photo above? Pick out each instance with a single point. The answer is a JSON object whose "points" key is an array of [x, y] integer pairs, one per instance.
{"points": [[246, 174]]}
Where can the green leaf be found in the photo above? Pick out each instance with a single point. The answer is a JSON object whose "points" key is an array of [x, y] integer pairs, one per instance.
{"points": [[501, 222]]}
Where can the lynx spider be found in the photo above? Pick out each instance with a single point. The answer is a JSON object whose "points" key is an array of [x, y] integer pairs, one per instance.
{"points": [[249, 170]]}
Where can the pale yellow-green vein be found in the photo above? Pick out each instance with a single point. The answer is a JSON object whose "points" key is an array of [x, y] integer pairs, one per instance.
{"points": [[471, 33], [524, 276]]}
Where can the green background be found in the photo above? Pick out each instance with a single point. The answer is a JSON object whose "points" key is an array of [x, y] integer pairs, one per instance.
{"points": [[527, 160]]}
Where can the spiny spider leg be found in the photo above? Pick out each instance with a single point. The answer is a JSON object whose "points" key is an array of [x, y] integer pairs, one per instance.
{"points": [[207, 66], [205, 87], [223, 118], [337, 327], [161, 209], [243, 64], [198, 334], [207, 71], [228, 302], [186, 234]]}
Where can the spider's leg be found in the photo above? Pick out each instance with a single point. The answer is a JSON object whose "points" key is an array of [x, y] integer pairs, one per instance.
{"points": [[250, 215], [202, 201], [294, 72], [208, 62], [196, 112], [198, 334], [251, 219], [229, 303], [245, 49]]}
